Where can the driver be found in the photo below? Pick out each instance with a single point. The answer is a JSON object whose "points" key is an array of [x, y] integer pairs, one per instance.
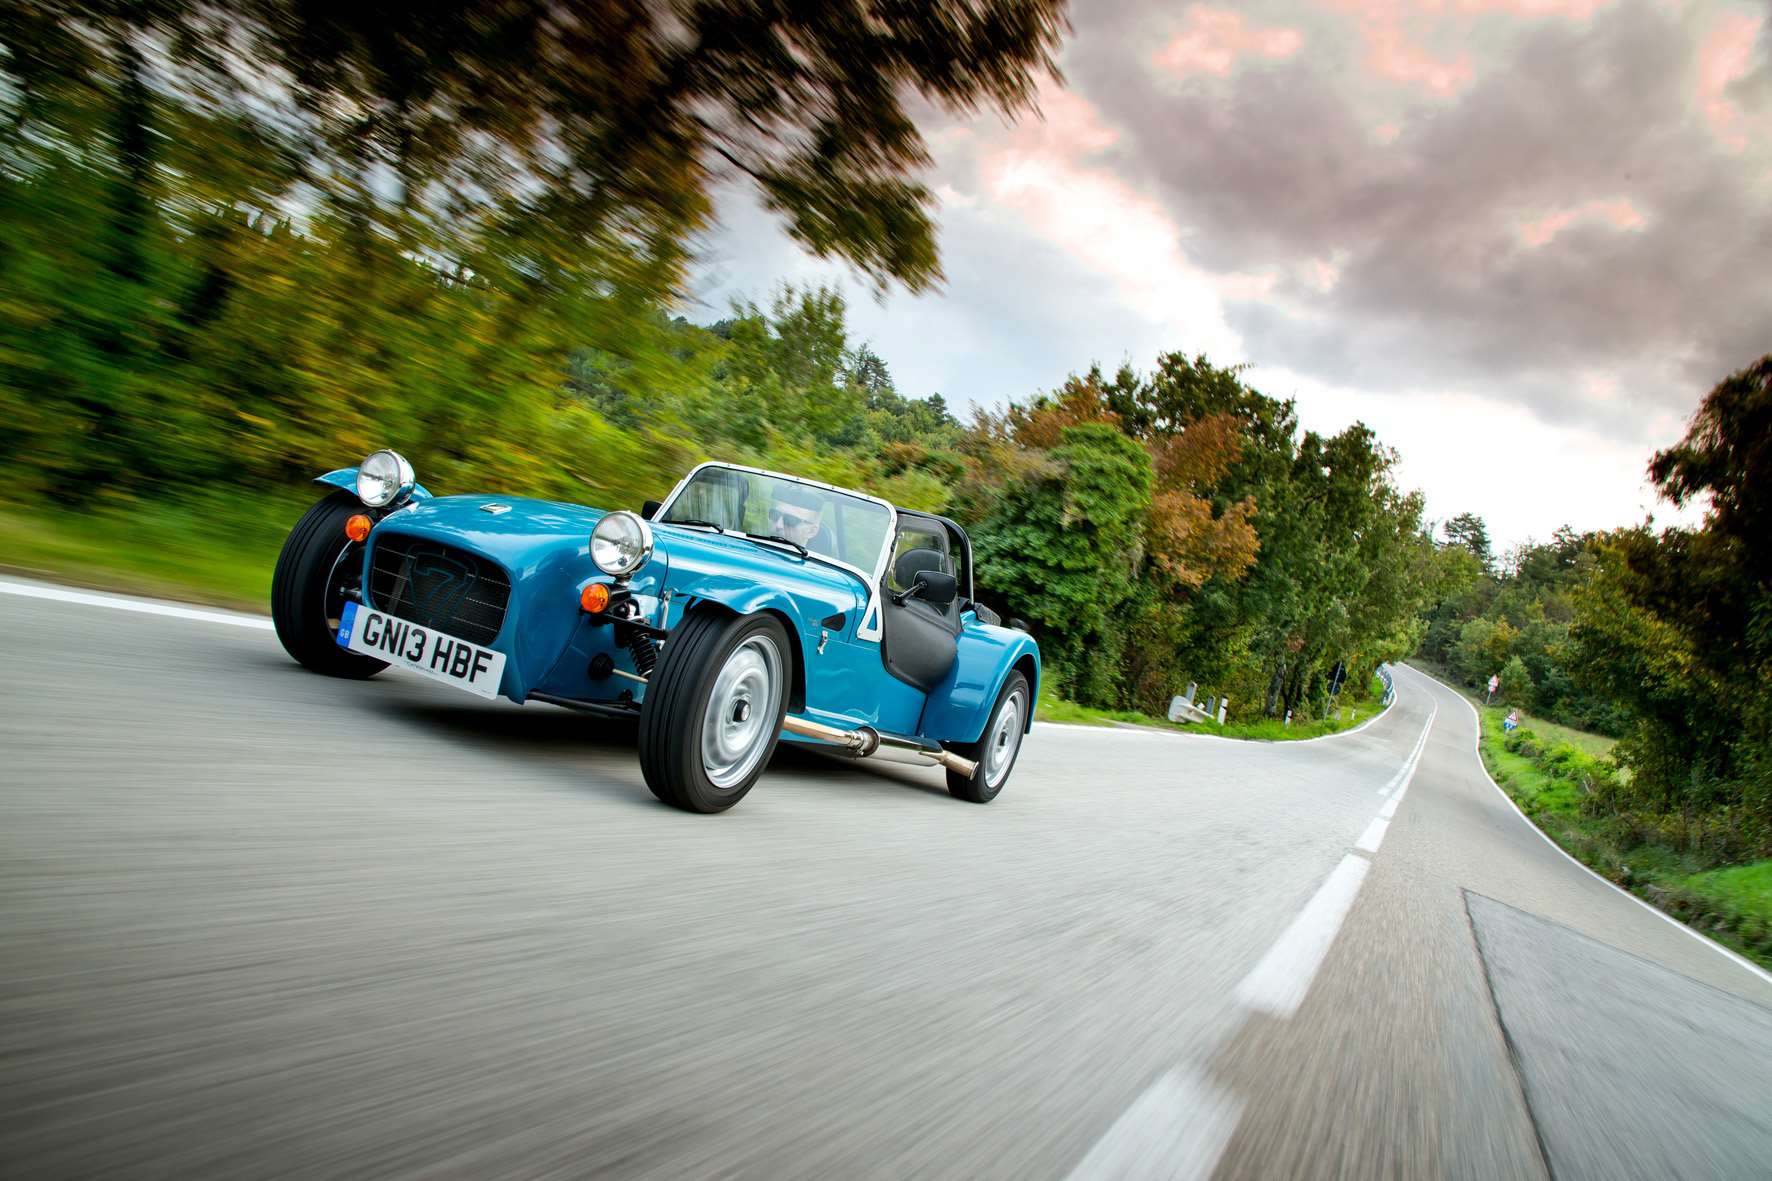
{"points": [[798, 515]]}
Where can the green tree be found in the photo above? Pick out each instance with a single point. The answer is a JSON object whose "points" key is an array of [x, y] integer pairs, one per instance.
{"points": [[1063, 550], [1468, 531], [1516, 683], [1677, 627], [571, 131]]}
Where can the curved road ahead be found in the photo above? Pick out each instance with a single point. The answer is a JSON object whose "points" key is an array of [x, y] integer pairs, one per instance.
{"points": [[256, 923]]}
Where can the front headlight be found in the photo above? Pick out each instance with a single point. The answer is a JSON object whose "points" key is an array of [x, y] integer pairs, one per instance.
{"points": [[621, 543], [384, 478]]}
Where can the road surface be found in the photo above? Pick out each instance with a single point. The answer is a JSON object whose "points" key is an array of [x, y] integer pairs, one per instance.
{"points": [[257, 923]]}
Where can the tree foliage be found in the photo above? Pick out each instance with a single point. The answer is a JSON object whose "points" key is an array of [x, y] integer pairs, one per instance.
{"points": [[1660, 638], [531, 138], [1489, 614], [1677, 627], [1263, 558]]}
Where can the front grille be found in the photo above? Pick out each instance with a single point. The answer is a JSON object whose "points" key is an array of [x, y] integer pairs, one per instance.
{"points": [[438, 586]]}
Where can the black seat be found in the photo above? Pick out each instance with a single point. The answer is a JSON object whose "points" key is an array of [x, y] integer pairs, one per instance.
{"points": [[920, 639]]}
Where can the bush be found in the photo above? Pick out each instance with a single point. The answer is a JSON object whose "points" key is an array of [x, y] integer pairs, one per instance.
{"points": [[1563, 761], [1523, 742]]}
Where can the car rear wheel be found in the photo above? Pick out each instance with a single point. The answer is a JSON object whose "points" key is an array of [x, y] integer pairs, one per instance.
{"points": [[996, 750], [713, 709], [317, 565]]}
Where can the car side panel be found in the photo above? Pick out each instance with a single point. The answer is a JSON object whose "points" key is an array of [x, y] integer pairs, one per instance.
{"points": [[848, 686], [961, 704]]}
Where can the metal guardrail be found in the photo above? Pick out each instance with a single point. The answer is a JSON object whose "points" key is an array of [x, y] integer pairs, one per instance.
{"points": [[1390, 686]]}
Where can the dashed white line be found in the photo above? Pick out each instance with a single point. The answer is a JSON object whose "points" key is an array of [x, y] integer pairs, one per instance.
{"points": [[1177, 1129], [1277, 985], [1373, 836], [1399, 783], [62, 594]]}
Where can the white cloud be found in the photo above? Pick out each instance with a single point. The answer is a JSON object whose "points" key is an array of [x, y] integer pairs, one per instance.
{"points": [[1500, 265], [1471, 454]]}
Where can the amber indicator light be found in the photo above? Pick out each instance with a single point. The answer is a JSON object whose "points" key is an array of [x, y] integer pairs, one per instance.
{"points": [[357, 527], [595, 597]]}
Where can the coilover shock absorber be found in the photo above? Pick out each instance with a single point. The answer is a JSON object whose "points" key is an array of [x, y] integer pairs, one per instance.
{"points": [[644, 651]]}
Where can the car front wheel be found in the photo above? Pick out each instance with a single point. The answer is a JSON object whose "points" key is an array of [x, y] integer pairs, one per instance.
{"points": [[713, 709], [996, 750], [318, 564]]}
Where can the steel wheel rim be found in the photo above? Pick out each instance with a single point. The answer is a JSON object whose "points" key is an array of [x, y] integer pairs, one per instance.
{"points": [[1004, 740], [737, 727]]}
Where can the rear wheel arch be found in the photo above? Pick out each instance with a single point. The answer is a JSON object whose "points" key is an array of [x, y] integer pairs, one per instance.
{"points": [[997, 749], [1028, 667]]}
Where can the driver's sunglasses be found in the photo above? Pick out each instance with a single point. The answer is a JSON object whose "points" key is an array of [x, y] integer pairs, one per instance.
{"points": [[787, 518]]}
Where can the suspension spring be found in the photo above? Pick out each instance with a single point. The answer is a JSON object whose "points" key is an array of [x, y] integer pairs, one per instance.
{"points": [[644, 651]]}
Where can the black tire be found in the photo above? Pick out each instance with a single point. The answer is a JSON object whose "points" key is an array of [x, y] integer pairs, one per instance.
{"points": [[682, 767], [305, 595], [986, 781]]}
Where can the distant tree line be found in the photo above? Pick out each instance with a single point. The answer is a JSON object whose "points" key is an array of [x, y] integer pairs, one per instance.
{"points": [[1509, 617], [1661, 638]]}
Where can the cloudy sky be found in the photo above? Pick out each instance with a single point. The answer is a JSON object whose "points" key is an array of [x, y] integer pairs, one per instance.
{"points": [[1519, 238]]}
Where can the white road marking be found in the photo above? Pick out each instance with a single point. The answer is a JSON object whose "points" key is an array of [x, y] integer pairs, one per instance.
{"points": [[1176, 1130], [1374, 835], [62, 594], [1399, 783], [1277, 985], [1476, 749], [1390, 806]]}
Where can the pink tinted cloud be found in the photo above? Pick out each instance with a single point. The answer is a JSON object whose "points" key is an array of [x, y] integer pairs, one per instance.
{"points": [[1393, 32], [1394, 53], [1572, 10], [1069, 124], [1212, 40], [1618, 212], [1726, 55]]}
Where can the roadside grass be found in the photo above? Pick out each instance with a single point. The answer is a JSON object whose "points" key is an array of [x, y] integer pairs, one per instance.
{"points": [[1588, 743], [1585, 741], [1359, 707], [1748, 888], [1556, 783], [214, 551]]}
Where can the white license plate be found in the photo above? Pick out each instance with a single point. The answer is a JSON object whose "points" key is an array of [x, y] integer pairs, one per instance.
{"points": [[421, 649]]}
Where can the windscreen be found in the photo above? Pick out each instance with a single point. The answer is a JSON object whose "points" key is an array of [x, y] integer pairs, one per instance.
{"points": [[828, 523]]}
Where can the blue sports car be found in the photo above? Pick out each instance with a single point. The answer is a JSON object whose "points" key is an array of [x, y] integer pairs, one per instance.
{"points": [[746, 607]]}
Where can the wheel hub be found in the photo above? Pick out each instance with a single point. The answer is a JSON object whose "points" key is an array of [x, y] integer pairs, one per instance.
{"points": [[1005, 740], [744, 701]]}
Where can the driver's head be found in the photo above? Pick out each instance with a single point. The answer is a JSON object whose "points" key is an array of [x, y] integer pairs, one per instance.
{"points": [[795, 513]]}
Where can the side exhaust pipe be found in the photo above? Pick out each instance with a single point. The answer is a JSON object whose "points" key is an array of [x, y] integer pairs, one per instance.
{"points": [[865, 742]]}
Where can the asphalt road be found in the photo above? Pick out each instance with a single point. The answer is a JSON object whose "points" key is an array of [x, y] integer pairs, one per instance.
{"points": [[256, 923]]}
